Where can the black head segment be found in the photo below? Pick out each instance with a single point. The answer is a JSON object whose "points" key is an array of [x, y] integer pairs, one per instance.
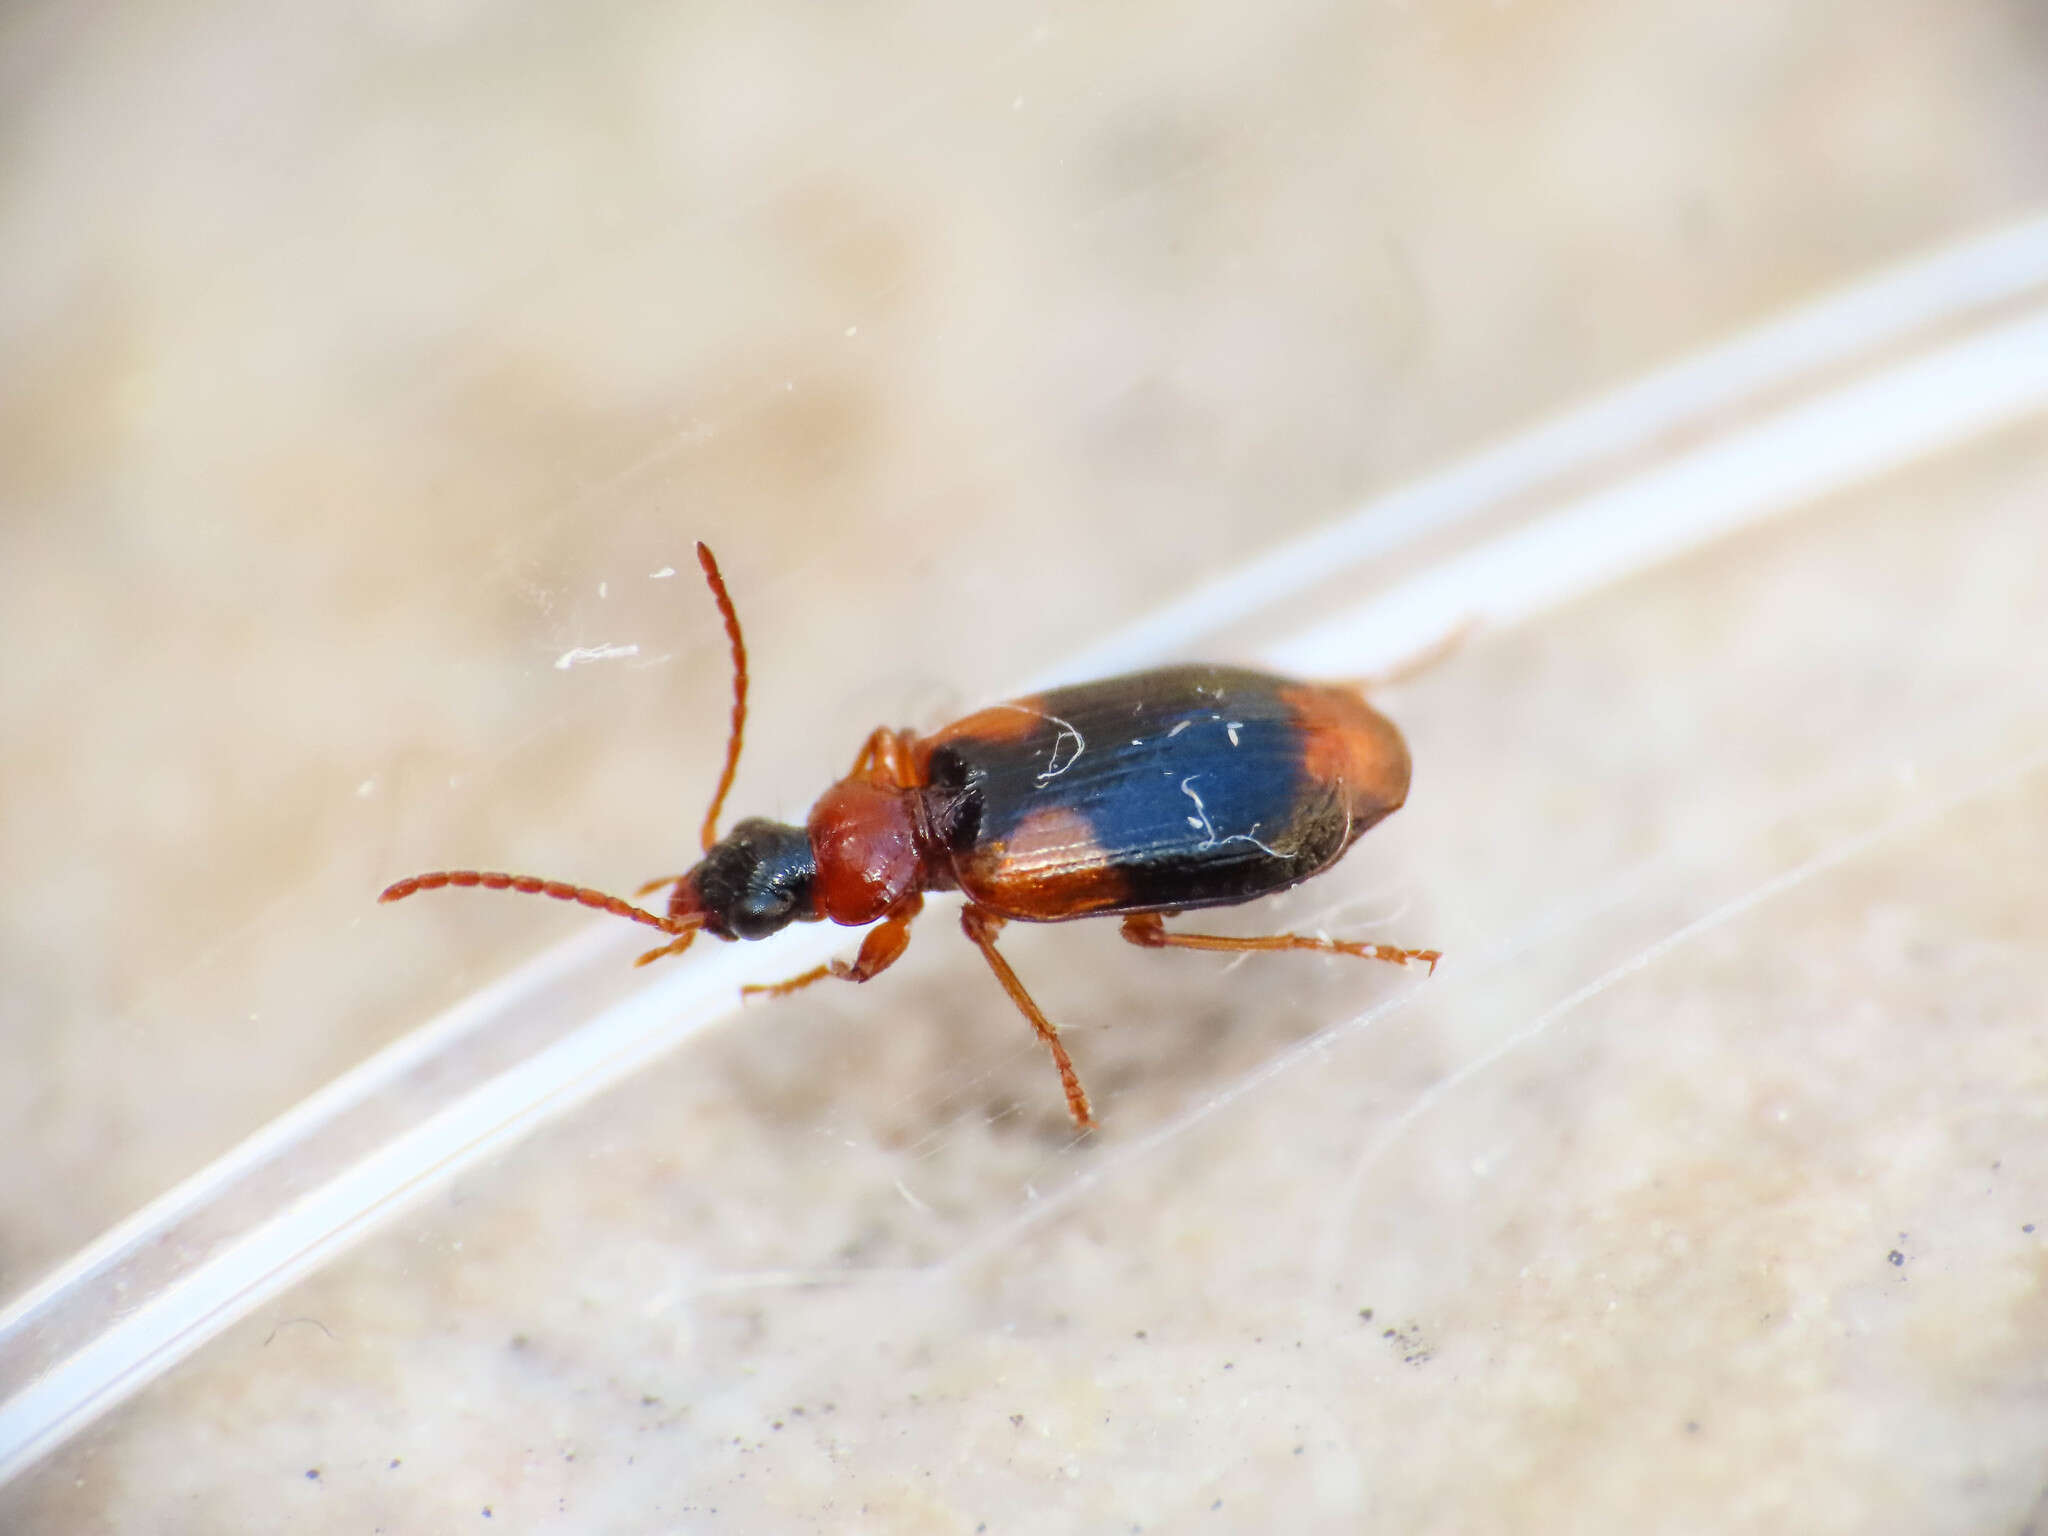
{"points": [[756, 880]]}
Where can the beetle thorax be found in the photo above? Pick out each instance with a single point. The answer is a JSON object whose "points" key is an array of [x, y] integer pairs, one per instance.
{"points": [[864, 839]]}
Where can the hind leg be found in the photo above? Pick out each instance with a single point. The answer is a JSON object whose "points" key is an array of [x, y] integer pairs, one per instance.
{"points": [[1148, 931]]}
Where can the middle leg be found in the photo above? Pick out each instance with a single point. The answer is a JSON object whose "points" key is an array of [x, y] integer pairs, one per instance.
{"points": [[982, 926], [886, 759]]}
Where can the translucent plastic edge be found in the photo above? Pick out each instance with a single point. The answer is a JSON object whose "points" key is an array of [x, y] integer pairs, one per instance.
{"points": [[1806, 452], [1907, 410], [1856, 321], [317, 1109]]}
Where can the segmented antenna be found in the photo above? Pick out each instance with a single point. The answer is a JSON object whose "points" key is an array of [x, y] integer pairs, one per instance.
{"points": [[739, 691], [529, 885], [681, 925]]}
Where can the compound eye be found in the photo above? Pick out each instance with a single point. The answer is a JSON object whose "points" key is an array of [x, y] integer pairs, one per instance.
{"points": [[756, 881], [779, 884], [763, 912]]}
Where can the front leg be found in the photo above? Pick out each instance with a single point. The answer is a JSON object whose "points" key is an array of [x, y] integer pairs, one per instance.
{"points": [[885, 759], [882, 948]]}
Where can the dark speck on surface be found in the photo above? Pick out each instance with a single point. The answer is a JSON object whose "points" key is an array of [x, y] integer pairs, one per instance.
{"points": [[1896, 1259]]}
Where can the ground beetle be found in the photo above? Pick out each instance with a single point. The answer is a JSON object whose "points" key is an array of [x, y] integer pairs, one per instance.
{"points": [[1137, 797]]}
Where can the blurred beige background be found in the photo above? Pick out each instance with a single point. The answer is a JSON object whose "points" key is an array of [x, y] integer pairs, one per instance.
{"points": [[361, 363]]}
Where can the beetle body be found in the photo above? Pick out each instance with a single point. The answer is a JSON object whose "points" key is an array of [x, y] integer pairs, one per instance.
{"points": [[1137, 796], [1162, 791]]}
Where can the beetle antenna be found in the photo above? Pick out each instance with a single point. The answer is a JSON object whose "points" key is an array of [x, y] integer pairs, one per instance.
{"points": [[739, 692], [528, 885]]}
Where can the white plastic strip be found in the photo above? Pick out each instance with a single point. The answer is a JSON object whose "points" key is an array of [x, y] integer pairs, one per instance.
{"points": [[1804, 453], [1856, 322], [308, 1115], [167, 1327]]}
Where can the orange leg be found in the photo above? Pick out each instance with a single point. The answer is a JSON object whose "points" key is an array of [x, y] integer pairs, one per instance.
{"points": [[882, 948], [869, 751], [1148, 931], [885, 759], [1412, 666], [673, 947], [982, 926]]}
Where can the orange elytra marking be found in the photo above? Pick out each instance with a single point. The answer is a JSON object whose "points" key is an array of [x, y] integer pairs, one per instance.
{"points": [[1049, 869]]}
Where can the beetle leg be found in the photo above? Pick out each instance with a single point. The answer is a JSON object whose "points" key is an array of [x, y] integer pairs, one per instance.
{"points": [[1146, 930], [868, 751], [885, 759], [673, 947], [1413, 665], [882, 948], [982, 926]]}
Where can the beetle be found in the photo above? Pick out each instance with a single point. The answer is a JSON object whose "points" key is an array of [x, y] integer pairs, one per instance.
{"points": [[1138, 797]]}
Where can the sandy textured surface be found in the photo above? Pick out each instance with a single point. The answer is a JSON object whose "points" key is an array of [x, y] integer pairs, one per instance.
{"points": [[360, 364]]}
